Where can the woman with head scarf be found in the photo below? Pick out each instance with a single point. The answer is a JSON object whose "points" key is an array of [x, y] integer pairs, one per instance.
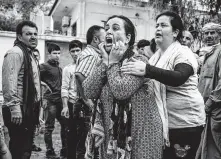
{"points": [[173, 69], [126, 123]]}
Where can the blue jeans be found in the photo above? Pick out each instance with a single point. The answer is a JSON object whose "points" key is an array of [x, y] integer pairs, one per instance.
{"points": [[52, 112]]}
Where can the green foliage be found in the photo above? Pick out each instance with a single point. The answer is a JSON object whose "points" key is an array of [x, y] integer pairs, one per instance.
{"points": [[212, 5], [26, 6], [194, 13], [14, 11], [8, 24]]}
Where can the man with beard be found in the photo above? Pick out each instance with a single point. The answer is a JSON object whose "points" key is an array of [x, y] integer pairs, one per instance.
{"points": [[210, 88], [21, 90], [207, 39], [86, 63], [51, 74], [70, 99]]}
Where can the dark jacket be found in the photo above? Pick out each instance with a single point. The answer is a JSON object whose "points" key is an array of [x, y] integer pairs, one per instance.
{"points": [[210, 87], [51, 74]]}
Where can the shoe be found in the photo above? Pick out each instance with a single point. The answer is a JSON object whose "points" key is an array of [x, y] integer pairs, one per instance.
{"points": [[35, 148], [50, 154]]}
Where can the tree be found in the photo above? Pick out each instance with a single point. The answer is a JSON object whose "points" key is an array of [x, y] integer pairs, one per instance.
{"points": [[14, 11], [24, 7], [8, 24], [194, 13], [213, 5]]}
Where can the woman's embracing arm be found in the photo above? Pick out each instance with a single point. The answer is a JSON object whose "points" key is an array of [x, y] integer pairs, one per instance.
{"points": [[123, 85]]}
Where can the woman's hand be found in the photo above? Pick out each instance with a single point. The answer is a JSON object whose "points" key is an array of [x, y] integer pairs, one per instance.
{"points": [[134, 67], [104, 54], [116, 52]]}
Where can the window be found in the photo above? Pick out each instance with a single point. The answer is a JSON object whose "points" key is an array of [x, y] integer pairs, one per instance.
{"points": [[74, 29], [104, 23]]}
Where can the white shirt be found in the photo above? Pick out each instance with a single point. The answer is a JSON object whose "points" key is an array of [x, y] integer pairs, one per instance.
{"points": [[69, 87]]}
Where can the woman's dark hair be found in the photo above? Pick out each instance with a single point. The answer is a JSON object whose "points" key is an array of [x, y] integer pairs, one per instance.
{"points": [[176, 22], [75, 44], [153, 45], [128, 26]]}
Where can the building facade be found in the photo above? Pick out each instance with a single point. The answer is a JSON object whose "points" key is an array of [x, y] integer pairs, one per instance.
{"points": [[77, 16]]}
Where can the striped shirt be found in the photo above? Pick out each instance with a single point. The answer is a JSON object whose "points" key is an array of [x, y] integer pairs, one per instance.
{"points": [[87, 60]]}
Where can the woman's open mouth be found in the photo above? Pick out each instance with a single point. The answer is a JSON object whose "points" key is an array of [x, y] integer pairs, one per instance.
{"points": [[109, 41], [158, 35]]}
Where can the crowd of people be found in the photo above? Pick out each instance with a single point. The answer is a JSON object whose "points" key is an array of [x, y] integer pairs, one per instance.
{"points": [[117, 100]]}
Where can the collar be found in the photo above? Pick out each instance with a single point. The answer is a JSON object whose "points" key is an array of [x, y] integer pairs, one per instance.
{"points": [[96, 49], [73, 63], [53, 62], [28, 48], [207, 49]]}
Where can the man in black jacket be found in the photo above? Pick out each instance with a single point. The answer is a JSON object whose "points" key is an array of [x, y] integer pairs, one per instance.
{"points": [[51, 74]]}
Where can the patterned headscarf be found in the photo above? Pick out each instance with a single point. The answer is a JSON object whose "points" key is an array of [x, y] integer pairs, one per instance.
{"points": [[212, 26]]}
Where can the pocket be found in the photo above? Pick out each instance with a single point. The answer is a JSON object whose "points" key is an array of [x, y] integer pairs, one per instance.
{"points": [[76, 108], [216, 122], [208, 72]]}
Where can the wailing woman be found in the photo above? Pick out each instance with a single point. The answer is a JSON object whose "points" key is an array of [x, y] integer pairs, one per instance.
{"points": [[127, 123]]}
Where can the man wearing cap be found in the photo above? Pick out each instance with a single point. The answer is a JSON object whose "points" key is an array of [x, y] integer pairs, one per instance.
{"points": [[210, 88]]}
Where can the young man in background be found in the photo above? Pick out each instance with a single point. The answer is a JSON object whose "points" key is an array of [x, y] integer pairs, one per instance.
{"points": [[51, 74]]}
